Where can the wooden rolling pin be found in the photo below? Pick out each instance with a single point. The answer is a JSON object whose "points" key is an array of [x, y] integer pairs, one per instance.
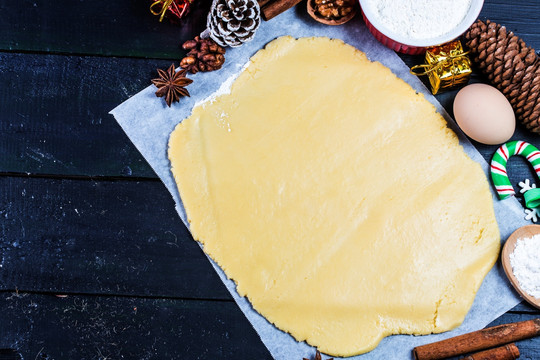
{"points": [[478, 340]]}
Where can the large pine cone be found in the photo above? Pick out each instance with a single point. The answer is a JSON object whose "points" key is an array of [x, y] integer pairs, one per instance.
{"points": [[233, 22], [511, 66]]}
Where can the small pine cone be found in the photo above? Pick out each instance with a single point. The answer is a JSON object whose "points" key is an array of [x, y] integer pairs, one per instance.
{"points": [[203, 55], [233, 22], [510, 65]]}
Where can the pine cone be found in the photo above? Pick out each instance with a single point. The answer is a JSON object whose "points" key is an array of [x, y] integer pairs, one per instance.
{"points": [[511, 66], [203, 55], [233, 22]]}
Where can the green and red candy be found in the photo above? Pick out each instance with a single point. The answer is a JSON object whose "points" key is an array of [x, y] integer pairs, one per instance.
{"points": [[499, 175]]}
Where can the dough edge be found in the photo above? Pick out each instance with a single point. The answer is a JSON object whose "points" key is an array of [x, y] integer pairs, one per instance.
{"points": [[382, 334]]}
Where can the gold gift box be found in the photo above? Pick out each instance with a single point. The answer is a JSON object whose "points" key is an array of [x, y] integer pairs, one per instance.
{"points": [[447, 66]]}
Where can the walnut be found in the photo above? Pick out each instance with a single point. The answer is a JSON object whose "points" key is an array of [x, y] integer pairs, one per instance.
{"points": [[333, 9], [203, 55]]}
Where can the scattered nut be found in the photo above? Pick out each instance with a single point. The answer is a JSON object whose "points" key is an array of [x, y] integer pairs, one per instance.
{"points": [[333, 9]]}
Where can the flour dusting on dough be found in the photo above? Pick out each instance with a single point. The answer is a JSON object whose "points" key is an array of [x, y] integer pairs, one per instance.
{"points": [[335, 197]]}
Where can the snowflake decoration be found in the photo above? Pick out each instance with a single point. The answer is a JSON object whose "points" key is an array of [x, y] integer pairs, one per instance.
{"points": [[530, 214], [526, 186]]}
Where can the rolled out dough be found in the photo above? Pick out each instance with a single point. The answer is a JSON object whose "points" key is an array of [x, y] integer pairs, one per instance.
{"points": [[336, 198]]}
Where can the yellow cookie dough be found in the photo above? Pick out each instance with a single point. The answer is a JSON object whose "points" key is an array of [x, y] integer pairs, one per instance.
{"points": [[336, 198]]}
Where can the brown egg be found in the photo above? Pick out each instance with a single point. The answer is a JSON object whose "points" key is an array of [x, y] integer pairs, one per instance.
{"points": [[484, 114]]}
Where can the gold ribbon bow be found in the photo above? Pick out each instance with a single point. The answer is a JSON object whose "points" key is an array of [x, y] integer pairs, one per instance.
{"points": [[447, 66], [453, 56], [163, 10]]}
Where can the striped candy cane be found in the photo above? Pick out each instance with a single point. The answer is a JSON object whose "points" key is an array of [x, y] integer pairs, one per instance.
{"points": [[499, 175]]}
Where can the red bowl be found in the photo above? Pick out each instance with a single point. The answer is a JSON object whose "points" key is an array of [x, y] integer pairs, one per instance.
{"points": [[394, 45], [414, 46]]}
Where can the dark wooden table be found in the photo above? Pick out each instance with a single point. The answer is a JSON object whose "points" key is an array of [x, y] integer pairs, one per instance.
{"points": [[94, 261]]}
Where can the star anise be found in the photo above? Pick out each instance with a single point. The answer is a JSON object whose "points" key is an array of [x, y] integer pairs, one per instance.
{"points": [[171, 84], [318, 357]]}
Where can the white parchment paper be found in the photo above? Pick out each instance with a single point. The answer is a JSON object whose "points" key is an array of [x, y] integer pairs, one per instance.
{"points": [[148, 122]]}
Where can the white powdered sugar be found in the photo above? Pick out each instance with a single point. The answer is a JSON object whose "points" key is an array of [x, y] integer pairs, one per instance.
{"points": [[525, 261], [420, 19], [224, 89]]}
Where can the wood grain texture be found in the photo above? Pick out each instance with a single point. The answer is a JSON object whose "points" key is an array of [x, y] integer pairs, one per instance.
{"points": [[89, 230], [90, 327], [93, 327], [60, 107], [106, 237], [55, 120], [525, 308], [126, 28], [111, 28]]}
